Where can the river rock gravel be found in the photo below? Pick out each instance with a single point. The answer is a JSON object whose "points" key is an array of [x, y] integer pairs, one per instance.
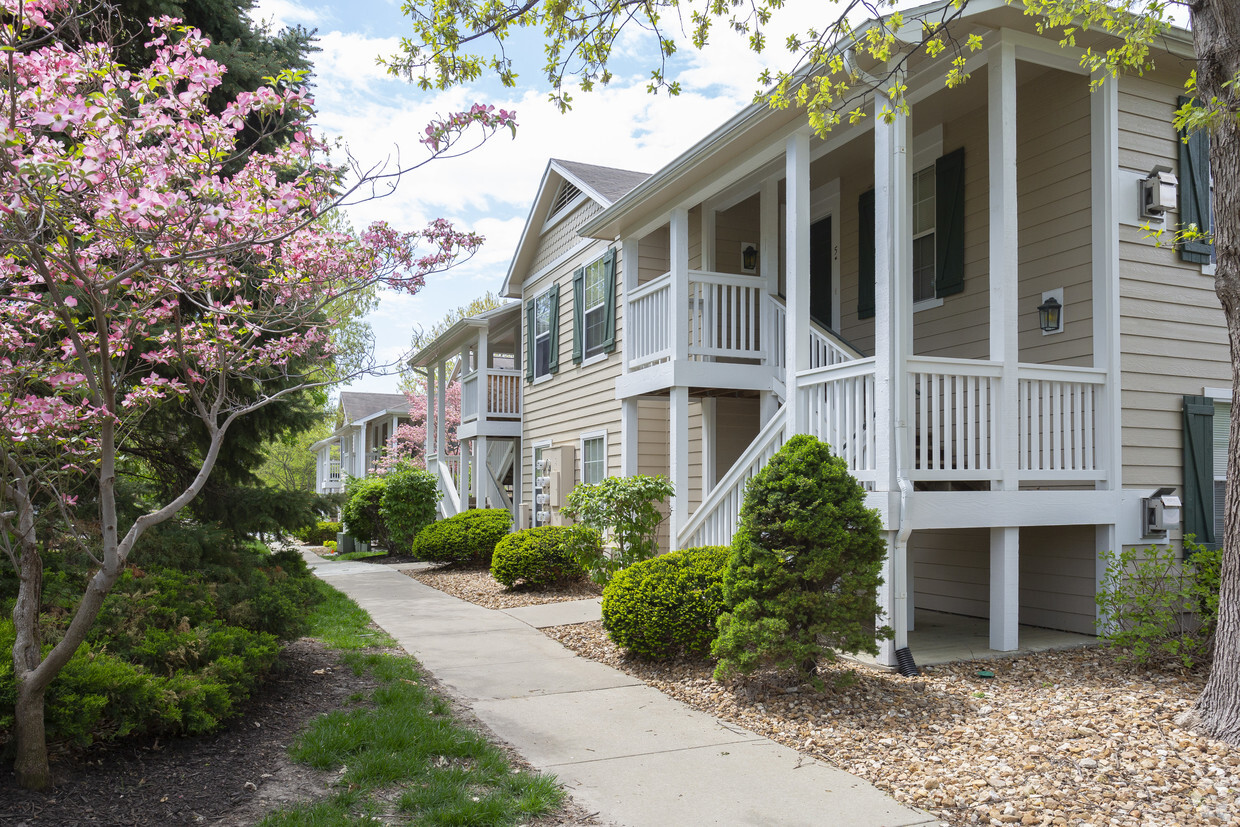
{"points": [[1055, 738]]}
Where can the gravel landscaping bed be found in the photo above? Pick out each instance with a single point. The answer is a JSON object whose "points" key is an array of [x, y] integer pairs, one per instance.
{"points": [[1054, 738], [478, 587]]}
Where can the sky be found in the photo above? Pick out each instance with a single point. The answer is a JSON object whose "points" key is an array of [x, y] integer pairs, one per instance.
{"points": [[490, 190]]}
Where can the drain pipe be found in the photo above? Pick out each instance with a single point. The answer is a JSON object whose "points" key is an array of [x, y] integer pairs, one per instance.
{"points": [[905, 664]]}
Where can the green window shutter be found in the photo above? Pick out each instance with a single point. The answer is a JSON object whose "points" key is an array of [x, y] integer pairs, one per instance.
{"points": [[949, 224], [579, 314], [1199, 468], [554, 357], [609, 301], [1195, 192], [865, 255], [529, 341]]}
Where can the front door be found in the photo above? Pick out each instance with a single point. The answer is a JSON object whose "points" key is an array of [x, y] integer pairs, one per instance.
{"points": [[820, 272]]}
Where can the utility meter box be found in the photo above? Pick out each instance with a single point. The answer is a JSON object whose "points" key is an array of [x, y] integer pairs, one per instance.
{"points": [[1160, 513]]}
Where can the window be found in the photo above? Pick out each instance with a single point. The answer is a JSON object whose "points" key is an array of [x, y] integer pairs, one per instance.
{"points": [[542, 334], [593, 458], [594, 308], [938, 234], [923, 235]]}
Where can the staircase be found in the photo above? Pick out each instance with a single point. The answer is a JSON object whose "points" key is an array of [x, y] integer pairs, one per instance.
{"points": [[715, 520]]}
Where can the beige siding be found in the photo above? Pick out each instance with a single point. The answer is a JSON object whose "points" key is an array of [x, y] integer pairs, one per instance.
{"points": [[952, 574], [734, 227], [562, 237], [737, 422], [1172, 334]]}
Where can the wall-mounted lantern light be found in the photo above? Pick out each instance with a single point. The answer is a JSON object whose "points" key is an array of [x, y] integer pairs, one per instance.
{"points": [[749, 257], [1050, 312], [1158, 192]]}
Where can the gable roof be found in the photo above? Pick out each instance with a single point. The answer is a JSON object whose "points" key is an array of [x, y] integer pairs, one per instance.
{"points": [[603, 185], [361, 405]]}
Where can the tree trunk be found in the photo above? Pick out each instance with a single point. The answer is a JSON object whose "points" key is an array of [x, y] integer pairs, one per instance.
{"points": [[30, 764], [1216, 29]]}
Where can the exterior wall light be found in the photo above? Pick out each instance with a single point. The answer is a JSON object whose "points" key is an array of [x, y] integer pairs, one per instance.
{"points": [[1158, 192], [1050, 312]]}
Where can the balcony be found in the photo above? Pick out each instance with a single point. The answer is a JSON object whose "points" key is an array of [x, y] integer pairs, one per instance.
{"points": [[491, 402]]}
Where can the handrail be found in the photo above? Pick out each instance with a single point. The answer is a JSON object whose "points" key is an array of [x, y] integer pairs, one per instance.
{"points": [[448, 487], [731, 279], [842, 370], [651, 286], [738, 474]]}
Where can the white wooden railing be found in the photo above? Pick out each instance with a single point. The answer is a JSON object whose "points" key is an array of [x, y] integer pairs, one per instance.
{"points": [[446, 472], [840, 410], [954, 405], [504, 396], [469, 397], [1056, 420], [723, 316], [647, 322], [333, 470], [824, 348], [715, 520]]}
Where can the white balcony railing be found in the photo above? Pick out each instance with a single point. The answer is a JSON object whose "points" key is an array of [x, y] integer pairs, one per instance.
{"points": [[648, 322], [840, 409], [502, 397], [955, 409], [1056, 420], [724, 315]]}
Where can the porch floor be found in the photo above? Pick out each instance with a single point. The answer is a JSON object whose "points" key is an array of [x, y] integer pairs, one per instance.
{"points": [[946, 638]]}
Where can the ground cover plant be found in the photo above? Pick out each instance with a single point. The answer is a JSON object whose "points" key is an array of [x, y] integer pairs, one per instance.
{"points": [[399, 753], [543, 555], [803, 575], [668, 605], [467, 538], [186, 635]]}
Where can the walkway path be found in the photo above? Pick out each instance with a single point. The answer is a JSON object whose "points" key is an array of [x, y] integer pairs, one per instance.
{"points": [[622, 748]]}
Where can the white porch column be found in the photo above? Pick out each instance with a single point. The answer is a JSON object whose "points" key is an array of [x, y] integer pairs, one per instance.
{"points": [[468, 477], [1004, 341], [796, 347], [630, 258], [678, 471], [483, 385], [1108, 445], [768, 269], [482, 474], [518, 495], [678, 291], [320, 472], [428, 439], [710, 447], [441, 397], [893, 337], [629, 429]]}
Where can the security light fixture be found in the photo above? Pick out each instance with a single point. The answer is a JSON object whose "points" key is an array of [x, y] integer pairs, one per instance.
{"points": [[1158, 192]]}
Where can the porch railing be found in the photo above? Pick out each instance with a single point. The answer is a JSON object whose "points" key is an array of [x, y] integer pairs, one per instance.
{"points": [[446, 469], [954, 407], [824, 350], [648, 322], [502, 398], [724, 315], [1056, 421], [840, 409]]}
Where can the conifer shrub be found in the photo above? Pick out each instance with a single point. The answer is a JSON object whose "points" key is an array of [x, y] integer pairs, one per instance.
{"points": [[803, 576], [667, 605], [543, 555], [468, 537], [407, 505], [360, 512]]}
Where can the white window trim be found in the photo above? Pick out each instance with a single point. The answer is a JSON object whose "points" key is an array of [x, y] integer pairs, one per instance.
{"points": [[582, 452], [585, 311], [601, 356], [534, 333], [927, 304]]}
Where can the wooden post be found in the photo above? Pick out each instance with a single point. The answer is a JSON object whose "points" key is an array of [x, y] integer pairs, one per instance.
{"points": [[678, 446], [1004, 339], [629, 430], [796, 358]]}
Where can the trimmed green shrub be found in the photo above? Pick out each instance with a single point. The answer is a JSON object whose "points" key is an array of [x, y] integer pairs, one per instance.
{"points": [[361, 511], [1159, 609], [330, 545], [408, 503], [320, 534], [667, 605], [543, 555], [803, 576], [626, 510], [468, 537]]}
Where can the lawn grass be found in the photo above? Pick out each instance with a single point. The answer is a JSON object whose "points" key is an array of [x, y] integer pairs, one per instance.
{"points": [[399, 754], [358, 555]]}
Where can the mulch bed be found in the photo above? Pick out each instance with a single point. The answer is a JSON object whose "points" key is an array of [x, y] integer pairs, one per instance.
{"points": [[478, 587]]}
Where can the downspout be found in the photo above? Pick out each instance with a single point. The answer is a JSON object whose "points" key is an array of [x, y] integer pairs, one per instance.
{"points": [[905, 664]]}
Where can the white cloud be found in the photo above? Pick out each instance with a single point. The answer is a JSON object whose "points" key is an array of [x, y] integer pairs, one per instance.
{"points": [[286, 13]]}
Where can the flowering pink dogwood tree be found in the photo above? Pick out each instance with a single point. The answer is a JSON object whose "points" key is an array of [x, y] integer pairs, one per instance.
{"points": [[146, 254], [409, 441]]}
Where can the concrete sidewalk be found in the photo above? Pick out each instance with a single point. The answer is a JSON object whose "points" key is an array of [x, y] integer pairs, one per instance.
{"points": [[621, 748]]}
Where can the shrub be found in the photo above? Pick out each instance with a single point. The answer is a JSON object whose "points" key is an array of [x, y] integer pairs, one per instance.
{"points": [[361, 511], [543, 555], [1160, 609], [469, 537], [320, 534], [330, 545], [407, 506], [803, 575], [626, 509], [667, 605]]}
